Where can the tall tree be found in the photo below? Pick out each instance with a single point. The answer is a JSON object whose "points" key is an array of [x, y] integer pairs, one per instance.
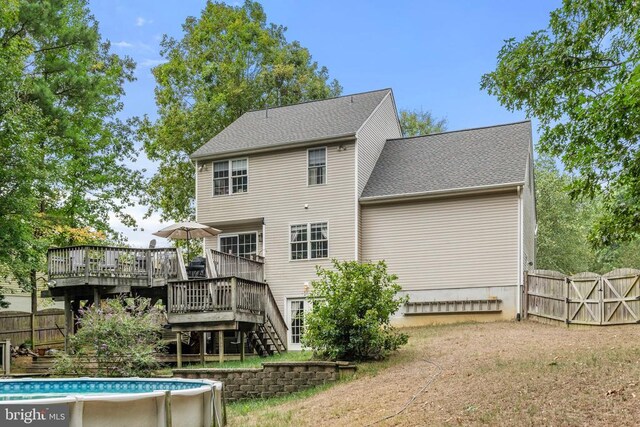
{"points": [[564, 224], [64, 152], [581, 79], [229, 61], [420, 122]]}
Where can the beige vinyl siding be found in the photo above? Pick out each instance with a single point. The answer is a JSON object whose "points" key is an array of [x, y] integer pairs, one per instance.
{"points": [[446, 243], [278, 192], [19, 299], [381, 125], [529, 220]]}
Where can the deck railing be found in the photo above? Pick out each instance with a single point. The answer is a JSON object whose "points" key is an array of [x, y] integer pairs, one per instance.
{"points": [[112, 261], [273, 316], [227, 265], [215, 295], [226, 294], [199, 295]]}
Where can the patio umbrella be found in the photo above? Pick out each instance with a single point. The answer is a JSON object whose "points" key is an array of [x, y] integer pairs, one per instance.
{"points": [[187, 230]]}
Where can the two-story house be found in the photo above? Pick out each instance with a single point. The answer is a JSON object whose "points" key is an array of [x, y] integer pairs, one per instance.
{"points": [[453, 214]]}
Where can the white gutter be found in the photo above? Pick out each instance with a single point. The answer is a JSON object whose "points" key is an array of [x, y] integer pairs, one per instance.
{"points": [[520, 269], [437, 193]]}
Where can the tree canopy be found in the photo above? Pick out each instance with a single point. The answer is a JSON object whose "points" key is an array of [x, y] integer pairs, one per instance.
{"points": [[580, 78], [229, 61], [65, 155], [420, 122], [564, 224]]}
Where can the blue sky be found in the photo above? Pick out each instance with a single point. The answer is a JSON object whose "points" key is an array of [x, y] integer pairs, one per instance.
{"points": [[431, 53]]}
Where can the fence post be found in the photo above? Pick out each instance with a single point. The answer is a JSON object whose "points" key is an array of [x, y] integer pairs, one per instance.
{"points": [[6, 357], [566, 300], [525, 306]]}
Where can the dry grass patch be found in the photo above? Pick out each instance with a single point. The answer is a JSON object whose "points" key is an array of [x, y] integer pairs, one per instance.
{"points": [[496, 373]]}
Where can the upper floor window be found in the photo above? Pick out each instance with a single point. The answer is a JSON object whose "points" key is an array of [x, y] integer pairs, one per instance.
{"points": [[309, 241], [230, 183], [317, 165]]}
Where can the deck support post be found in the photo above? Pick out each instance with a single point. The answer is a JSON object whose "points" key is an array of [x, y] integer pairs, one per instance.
{"points": [[221, 346], [96, 297], [242, 346], [179, 349], [68, 320], [203, 347]]}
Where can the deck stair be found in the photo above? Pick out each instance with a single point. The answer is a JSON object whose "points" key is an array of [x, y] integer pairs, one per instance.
{"points": [[41, 365], [265, 341], [257, 344], [233, 297]]}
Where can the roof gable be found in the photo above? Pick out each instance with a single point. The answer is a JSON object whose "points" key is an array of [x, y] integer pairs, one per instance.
{"points": [[307, 121], [480, 157]]}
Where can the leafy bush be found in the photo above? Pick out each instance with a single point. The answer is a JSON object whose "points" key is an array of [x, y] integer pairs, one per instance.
{"points": [[117, 339], [352, 305]]}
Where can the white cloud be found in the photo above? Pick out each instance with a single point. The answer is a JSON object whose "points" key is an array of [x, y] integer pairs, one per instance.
{"points": [[141, 237], [122, 44], [148, 62], [140, 21]]}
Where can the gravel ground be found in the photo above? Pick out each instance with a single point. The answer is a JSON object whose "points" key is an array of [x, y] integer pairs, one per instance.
{"points": [[502, 373]]}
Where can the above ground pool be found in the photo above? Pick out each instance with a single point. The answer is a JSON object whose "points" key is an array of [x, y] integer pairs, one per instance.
{"points": [[89, 402]]}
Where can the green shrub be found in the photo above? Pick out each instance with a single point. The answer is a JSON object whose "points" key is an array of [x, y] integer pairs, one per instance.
{"points": [[351, 308], [117, 339]]}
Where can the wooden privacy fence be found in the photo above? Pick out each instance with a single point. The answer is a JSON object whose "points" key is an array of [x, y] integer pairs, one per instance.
{"points": [[585, 298], [16, 326]]}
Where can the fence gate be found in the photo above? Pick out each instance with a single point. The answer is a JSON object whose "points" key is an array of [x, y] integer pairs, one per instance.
{"points": [[585, 298], [621, 297]]}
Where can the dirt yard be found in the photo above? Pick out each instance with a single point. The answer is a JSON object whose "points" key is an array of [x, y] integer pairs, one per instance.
{"points": [[483, 374]]}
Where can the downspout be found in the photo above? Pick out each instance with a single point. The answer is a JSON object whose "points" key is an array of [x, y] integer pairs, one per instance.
{"points": [[264, 251], [520, 273], [195, 169]]}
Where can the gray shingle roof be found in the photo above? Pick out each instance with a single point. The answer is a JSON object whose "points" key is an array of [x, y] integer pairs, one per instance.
{"points": [[452, 160], [312, 120]]}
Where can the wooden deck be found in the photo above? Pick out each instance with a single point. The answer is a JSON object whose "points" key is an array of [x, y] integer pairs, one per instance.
{"points": [[114, 269], [226, 303], [231, 296]]}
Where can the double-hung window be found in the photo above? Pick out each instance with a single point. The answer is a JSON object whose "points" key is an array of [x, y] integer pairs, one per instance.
{"points": [[309, 241], [243, 244], [317, 166], [230, 177]]}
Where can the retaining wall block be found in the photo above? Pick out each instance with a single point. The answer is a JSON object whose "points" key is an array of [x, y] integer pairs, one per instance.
{"points": [[290, 388], [273, 379], [292, 375]]}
